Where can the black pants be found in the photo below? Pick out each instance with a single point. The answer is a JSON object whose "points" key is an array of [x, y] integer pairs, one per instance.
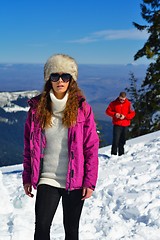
{"points": [[119, 139], [47, 201]]}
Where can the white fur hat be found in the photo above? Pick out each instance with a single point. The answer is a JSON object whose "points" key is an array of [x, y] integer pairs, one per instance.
{"points": [[60, 63]]}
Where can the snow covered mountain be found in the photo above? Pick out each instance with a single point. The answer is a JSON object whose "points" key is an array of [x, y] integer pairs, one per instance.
{"points": [[13, 109], [124, 206], [16, 101]]}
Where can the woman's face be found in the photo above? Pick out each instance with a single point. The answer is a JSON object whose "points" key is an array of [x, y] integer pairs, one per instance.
{"points": [[60, 87]]}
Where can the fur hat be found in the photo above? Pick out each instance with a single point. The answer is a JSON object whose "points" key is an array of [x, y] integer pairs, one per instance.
{"points": [[60, 63]]}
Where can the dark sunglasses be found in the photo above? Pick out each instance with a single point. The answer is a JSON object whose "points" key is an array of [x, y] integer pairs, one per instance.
{"points": [[122, 99], [66, 77]]}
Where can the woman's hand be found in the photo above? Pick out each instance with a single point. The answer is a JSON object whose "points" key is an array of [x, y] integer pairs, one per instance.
{"points": [[28, 189], [86, 193]]}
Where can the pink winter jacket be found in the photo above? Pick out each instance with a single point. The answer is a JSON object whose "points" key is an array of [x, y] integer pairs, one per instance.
{"points": [[83, 143]]}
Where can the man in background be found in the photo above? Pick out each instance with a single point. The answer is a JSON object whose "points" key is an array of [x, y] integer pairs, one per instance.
{"points": [[121, 113]]}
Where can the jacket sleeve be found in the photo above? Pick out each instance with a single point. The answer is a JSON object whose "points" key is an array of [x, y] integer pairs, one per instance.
{"points": [[26, 175], [131, 113], [110, 111], [90, 147]]}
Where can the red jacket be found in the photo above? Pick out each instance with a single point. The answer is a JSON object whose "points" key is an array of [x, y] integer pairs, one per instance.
{"points": [[123, 108]]}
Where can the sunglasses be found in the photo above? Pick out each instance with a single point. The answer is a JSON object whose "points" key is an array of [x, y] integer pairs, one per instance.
{"points": [[122, 99], [66, 77]]}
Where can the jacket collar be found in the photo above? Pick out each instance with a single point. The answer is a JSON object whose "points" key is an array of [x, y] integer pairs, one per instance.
{"points": [[33, 101]]}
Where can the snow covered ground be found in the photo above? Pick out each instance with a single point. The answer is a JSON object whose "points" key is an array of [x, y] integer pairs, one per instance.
{"points": [[125, 205]]}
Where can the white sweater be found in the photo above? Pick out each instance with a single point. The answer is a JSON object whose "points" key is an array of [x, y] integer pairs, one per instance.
{"points": [[55, 163]]}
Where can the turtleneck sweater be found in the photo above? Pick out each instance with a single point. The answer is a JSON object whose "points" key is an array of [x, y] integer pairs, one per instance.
{"points": [[55, 163]]}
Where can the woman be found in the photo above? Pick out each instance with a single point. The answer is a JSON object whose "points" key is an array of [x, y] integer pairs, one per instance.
{"points": [[60, 148]]}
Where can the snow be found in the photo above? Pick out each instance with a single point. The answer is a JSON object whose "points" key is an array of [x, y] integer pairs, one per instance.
{"points": [[125, 204], [6, 99]]}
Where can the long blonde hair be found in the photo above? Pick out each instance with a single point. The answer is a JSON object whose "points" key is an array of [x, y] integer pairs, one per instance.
{"points": [[44, 110]]}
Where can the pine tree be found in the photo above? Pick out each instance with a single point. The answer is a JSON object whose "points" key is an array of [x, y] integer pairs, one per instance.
{"points": [[150, 88], [150, 11], [134, 97]]}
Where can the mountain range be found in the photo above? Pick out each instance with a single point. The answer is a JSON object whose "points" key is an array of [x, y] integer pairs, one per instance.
{"points": [[100, 84]]}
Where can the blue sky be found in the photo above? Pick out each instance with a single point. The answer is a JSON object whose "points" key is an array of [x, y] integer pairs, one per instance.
{"points": [[91, 31]]}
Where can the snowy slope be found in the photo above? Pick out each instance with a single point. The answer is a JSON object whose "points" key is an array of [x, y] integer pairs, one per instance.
{"points": [[125, 205]]}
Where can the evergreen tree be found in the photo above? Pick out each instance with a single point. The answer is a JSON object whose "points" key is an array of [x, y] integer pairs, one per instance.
{"points": [[150, 88], [150, 11], [134, 97]]}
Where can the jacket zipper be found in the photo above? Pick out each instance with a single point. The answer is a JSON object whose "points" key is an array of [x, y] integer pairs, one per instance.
{"points": [[71, 174]]}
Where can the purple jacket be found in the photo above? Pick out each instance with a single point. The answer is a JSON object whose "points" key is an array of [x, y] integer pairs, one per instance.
{"points": [[83, 143]]}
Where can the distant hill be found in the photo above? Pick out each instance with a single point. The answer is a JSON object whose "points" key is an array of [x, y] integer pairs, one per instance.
{"points": [[100, 83], [15, 77]]}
